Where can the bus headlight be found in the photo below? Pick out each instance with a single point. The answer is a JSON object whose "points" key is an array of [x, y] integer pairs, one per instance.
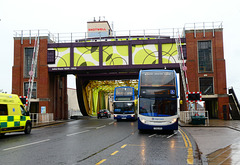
{"points": [[174, 120], [143, 121]]}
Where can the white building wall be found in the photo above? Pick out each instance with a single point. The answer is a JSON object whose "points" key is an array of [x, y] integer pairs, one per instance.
{"points": [[73, 107]]}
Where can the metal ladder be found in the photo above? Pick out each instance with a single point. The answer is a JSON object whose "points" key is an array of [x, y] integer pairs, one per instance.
{"points": [[183, 68], [32, 72]]}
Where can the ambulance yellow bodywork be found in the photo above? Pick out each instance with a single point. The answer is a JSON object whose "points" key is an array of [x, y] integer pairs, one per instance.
{"points": [[13, 115]]}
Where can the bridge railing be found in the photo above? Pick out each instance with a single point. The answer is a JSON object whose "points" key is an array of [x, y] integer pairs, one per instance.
{"points": [[83, 36], [127, 34]]}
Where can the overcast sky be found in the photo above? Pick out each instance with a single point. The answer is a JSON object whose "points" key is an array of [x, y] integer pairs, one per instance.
{"points": [[73, 15]]}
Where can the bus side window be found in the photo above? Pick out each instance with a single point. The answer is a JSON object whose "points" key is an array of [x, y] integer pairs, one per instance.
{"points": [[23, 110], [3, 109]]}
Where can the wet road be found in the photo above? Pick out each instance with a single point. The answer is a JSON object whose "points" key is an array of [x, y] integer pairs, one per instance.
{"points": [[97, 141], [218, 145]]}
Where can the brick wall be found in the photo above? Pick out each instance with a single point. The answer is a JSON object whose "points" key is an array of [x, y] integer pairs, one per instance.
{"points": [[219, 68], [42, 79]]}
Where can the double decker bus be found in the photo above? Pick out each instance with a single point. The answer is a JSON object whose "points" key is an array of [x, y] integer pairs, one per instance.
{"points": [[124, 103], [157, 104]]}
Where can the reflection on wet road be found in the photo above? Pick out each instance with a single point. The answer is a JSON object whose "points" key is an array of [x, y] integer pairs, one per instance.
{"points": [[94, 141], [229, 155], [217, 145]]}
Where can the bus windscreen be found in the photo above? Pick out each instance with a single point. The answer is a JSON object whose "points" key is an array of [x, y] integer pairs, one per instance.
{"points": [[157, 107], [123, 108]]}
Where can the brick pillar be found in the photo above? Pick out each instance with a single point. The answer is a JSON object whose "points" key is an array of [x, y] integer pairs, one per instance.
{"points": [[60, 102], [223, 108]]}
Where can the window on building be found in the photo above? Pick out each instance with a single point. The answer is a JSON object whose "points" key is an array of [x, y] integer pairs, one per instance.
{"points": [[206, 85], [34, 90], [28, 61], [205, 56]]}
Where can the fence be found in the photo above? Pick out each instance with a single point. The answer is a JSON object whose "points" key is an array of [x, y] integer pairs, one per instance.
{"points": [[202, 26], [83, 36], [186, 116], [130, 34], [41, 117]]}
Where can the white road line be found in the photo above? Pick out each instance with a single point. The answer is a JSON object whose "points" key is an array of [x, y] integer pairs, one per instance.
{"points": [[152, 135], [111, 123], [25, 145], [172, 135], [101, 127], [77, 133]]}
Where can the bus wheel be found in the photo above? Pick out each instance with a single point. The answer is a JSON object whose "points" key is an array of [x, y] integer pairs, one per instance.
{"points": [[28, 128], [2, 134]]}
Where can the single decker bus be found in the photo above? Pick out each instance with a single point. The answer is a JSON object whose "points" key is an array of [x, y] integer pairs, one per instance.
{"points": [[157, 104], [124, 103]]}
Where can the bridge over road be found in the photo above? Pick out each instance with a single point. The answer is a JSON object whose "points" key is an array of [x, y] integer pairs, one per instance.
{"points": [[120, 55], [111, 58]]}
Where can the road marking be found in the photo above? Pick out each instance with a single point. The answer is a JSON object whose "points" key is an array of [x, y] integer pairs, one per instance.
{"points": [[172, 135], [90, 127], [152, 135], [101, 127], [101, 161], [188, 145], [78, 133], [184, 139], [111, 123], [124, 146], [114, 153], [26, 145]]}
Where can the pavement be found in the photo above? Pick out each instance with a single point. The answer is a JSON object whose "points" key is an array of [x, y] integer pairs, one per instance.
{"points": [[218, 140]]}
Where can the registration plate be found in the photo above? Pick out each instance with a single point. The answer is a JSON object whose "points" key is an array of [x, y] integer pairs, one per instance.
{"points": [[124, 117], [157, 128]]}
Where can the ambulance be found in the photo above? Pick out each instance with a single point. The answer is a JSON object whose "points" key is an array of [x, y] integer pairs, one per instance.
{"points": [[13, 115]]}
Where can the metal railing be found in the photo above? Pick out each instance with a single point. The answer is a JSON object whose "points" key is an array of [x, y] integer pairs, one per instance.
{"points": [[202, 26], [186, 116], [127, 34], [83, 36], [31, 34], [41, 117]]}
